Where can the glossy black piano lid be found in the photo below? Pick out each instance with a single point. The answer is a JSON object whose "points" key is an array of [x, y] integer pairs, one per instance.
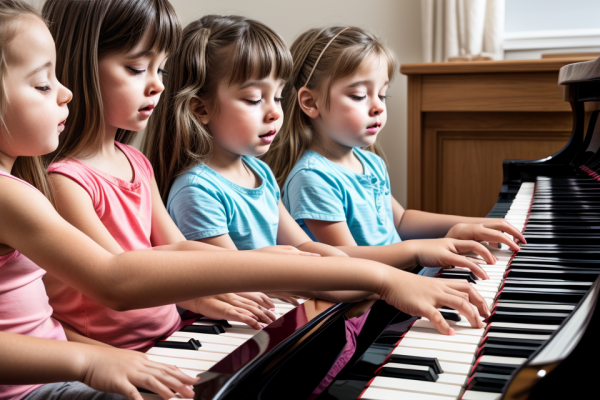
{"points": [[569, 361]]}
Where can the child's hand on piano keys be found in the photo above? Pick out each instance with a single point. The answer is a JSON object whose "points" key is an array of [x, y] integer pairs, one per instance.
{"points": [[446, 253], [119, 371], [422, 296], [490, 231], [231, 307]]}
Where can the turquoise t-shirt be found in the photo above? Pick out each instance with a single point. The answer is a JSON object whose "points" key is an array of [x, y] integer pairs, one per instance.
{"points": [[320, 189], [203, 204]]}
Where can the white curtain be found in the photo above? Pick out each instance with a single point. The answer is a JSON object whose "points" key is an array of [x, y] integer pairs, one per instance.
{"points": [[462, 28]]}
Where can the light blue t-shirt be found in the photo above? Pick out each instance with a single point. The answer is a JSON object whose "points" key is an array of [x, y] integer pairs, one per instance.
{"points": [[203, 204], [320, 189]]}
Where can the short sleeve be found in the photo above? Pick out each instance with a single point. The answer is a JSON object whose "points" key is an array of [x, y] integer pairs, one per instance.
{"points": [[311, 194], [199, 213]]}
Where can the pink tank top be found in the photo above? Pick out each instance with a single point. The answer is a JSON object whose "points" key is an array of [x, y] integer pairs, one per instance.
{"points": [[24, 307], [125, 209]]}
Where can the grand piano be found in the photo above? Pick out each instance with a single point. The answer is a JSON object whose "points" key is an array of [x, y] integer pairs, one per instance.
{"points": [[539, 343]]}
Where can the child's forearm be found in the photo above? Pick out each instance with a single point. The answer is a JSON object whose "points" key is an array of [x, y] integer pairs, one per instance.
{"points": [[74, 336], [322, 249], [398, 255], [29, 360], [417, 224]]}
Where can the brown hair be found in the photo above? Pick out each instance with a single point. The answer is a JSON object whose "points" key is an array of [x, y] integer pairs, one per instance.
{"points": [[341, 58], [85, 31], [215, 49], [30, 169]]}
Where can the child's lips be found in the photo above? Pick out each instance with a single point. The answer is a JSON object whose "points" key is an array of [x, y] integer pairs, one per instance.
{"points": [[268, 137], [146, 111], [373, 128], [61, 126]]}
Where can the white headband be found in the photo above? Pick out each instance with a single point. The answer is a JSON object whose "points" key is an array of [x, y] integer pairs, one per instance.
{"points": [[321, 55]]}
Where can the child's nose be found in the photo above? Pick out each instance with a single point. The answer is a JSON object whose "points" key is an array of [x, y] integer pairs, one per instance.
{"points": [[155, 86], [274, 114], [64, 95], [378, 108]]}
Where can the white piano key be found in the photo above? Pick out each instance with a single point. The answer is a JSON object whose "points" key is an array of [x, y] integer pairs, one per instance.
{"points": [[409, 385], [435, 345], [441, 355], [430, 335], [205, 338], [502, 360], [196, 365], [216, 348], [524, 336], [452, 379], [463, 322], [475, 395], [455, 368], [426, 324], [191, 354], [373, 393]]}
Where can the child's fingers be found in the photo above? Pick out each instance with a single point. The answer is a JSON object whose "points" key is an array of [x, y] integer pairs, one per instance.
{"points": [[259, 298], [168, 383], [182, 379], [505, 226], [150, 382], [465, 246], [494, 236], [291, 300], [128, 390], [474, 297], [464, 308], [240, 316], [436, 319], [464, 262]]}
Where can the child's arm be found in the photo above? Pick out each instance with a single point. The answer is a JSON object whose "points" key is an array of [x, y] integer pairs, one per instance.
{"points": [[414, 224], [290, 233], [141, 279], [29, 360], [75, 205], [403, 255]]}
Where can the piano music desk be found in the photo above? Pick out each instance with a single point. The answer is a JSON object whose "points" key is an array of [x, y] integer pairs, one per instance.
{"points": [[464, 118]]}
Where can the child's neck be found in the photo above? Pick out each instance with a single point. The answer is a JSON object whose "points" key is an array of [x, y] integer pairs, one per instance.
{"points": [[6, 163], [232, 167], [336, 152], [109, 159]]}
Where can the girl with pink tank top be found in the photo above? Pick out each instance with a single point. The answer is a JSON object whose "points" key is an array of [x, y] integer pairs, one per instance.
{"points": [[106, 188], [33, 110]]}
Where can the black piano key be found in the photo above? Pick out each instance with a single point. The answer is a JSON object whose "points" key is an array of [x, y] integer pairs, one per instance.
{"points": [[208, 329], [469, 276], [506, 350], [486, 382], [418, 372], [513, 341], [557, 295], [547, 318], [221, 322], [450, 316], [488, 368], [414, 360], [512, 329], [191, 344], [580, 275]]}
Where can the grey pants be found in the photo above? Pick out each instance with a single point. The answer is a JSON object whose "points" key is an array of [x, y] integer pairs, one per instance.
{"points": [[68, 391]]}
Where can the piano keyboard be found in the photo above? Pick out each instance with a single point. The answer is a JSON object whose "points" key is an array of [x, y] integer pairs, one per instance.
{"points": [[198, 347], [473, 358]]}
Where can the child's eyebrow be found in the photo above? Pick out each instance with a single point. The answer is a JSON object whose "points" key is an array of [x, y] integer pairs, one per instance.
{"points": [[40, 68]]}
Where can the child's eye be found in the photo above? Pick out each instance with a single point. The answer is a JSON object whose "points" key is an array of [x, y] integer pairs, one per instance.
{"points": [[136, 71], [162, 72], [253, 102], [382, 98], [357, 98], [44, 89], [278, 99]]}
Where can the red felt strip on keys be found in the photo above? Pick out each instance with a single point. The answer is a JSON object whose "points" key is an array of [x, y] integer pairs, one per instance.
{"points": [[366, 387]]}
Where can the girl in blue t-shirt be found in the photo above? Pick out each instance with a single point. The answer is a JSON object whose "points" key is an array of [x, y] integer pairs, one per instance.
{"points": [[327, 160], [221, 109]]}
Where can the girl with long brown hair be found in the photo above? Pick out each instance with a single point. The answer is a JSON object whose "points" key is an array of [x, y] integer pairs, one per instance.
{"points": [[329, 163]]}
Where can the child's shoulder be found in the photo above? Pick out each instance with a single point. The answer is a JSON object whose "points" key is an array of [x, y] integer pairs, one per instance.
{"points": [[373, 160], [311, 160]]}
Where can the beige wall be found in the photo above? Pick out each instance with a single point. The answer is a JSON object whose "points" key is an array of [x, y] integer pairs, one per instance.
{"points": [[398, 21]]}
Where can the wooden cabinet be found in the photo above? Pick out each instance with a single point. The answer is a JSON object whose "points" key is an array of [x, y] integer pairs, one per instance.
{"points": [[465, 118]]}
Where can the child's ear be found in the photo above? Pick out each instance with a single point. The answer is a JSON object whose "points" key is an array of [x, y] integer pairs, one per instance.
{"points": [[199, 108], [308, 102]]}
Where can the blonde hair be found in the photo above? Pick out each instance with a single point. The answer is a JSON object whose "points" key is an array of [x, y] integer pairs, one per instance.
{"points": [[215, 49], [324, 55], [30, 169], [84, 32]]}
